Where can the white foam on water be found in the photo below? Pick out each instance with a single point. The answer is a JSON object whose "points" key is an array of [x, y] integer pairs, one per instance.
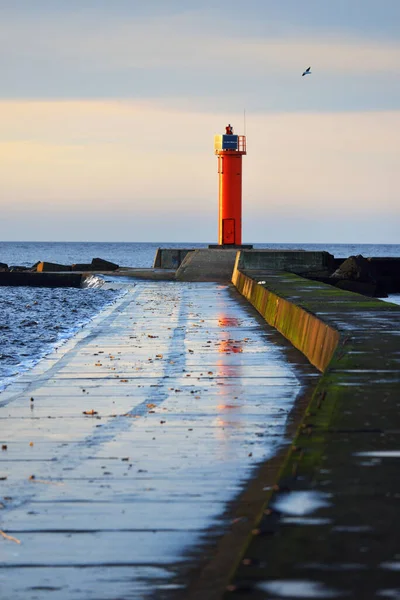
{"points": [[92, 281]]}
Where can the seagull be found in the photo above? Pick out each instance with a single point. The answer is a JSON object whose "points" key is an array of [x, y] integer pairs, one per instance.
{"points": [[307, 72]]}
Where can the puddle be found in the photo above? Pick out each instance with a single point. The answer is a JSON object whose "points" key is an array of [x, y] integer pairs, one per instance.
{"points": [[363, 371], [380, 453], [301, 503], [170, 586], [395, 593], [393, 298], [298, 588], [391, 566], [334, 566], [305, 521], [352, 528], [370, 463]]}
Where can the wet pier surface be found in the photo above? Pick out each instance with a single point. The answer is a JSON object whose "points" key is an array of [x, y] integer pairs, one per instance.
{"points": [[122, 450], [329, 529]]}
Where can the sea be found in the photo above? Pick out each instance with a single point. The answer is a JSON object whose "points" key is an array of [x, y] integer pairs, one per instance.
{"points": [[34, 321]]}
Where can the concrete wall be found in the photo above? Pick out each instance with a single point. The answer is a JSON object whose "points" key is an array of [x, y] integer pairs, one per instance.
{"points": [[295, 261], [309, 334], [207, 265], [169, 258]]}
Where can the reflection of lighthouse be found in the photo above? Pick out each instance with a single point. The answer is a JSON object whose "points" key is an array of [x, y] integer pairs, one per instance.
{"points": [[231, 406], [230, 148]]}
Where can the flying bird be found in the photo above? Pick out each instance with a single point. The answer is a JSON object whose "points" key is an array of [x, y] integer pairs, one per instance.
{"points": [[307, 72]]}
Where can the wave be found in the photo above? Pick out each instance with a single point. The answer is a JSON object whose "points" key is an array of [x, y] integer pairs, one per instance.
{"points": [[92, 281], [35, 321]]}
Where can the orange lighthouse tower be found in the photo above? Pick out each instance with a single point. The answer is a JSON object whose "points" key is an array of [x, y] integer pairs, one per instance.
{"points": [[230, 148]]}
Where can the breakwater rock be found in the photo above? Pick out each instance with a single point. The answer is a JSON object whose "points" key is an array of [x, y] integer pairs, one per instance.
{"points": [[375, 277], [48, 274], [97, 264]]}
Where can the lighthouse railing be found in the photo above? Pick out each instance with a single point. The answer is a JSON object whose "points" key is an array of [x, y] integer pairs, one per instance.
{"points": [[236, 143]]}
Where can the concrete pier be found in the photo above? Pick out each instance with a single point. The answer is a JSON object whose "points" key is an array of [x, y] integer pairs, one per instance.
{"points": [[126, 453], [329, 528], [181, 448]]}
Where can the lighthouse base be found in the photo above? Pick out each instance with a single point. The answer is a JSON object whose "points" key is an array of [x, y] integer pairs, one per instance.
{"points": [[230, 246]]}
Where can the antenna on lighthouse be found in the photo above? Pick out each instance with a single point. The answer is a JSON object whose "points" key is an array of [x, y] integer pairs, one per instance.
{"points": [[244, 121]]}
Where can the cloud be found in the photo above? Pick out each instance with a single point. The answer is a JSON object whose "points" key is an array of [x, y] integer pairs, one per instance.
{"points": [[328, 162], [189, 41], [191, 51], [196, 59], [142, 161]]}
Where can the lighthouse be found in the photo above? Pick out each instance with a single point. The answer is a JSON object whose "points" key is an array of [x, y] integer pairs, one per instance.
{"points": [[229, 149]]}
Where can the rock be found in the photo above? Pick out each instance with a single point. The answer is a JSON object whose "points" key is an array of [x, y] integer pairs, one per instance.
{"points": [[99, 264], [3, 267], [18, 269], [355, 268], [81, 267], [48, 267], [387, 271]]}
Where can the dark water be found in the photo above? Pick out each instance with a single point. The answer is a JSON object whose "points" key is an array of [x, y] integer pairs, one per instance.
{"points": [[34, 320], [142, 254]]}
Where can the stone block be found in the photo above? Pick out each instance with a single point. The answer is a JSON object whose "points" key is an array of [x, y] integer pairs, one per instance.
{"points": [[48, 267], [100, 264], [82, 267]]}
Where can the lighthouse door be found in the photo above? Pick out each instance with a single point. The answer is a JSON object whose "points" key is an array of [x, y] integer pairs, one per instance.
{"points": [[228, 231]]}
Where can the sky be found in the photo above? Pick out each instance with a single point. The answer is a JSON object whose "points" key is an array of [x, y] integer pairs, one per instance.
{"points": [[108, 112]]}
